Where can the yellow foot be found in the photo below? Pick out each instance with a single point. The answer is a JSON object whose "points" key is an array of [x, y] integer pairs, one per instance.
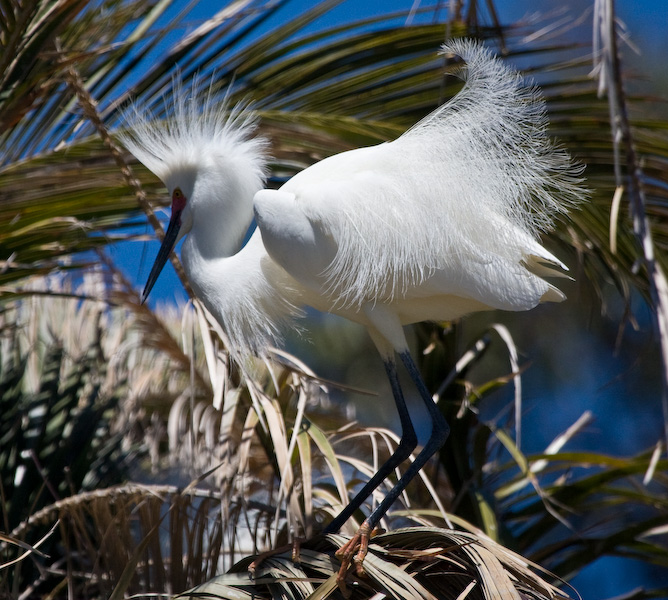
{"points": [[354, 551]]}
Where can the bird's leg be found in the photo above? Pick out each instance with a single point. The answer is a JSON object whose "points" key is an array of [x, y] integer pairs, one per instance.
{"points": [[439, 434], [406, 445]]}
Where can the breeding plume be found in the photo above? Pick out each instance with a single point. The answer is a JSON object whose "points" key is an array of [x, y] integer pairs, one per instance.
{"points": [[437, 224]]}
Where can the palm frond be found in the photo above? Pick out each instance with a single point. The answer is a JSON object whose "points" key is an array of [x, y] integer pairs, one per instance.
{"points": [[420, 562]]}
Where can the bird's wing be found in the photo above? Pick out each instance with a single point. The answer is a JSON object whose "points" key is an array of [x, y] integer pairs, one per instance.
{"points": [[341, 227], [354, 230], [307, 246], [389, 231]]}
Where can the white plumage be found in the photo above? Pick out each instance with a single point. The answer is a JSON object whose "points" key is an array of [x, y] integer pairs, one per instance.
{"points": [[439, 223]]}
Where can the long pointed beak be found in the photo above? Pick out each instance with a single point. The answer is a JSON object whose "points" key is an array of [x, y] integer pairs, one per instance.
{"points": [[171, 235]]}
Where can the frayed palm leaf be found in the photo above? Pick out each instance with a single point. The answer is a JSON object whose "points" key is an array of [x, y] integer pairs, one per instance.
{"points": [[133, 538], [408, 564]]}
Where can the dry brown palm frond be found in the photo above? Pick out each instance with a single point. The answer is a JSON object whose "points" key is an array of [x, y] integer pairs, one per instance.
{"points": [[410, 563], [177, 530]]}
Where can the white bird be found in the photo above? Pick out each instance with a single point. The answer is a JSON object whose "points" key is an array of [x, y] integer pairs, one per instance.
{"points": [[437, 224]]}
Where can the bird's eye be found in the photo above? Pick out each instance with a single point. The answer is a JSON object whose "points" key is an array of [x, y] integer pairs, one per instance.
{"points": [[178, 199]]}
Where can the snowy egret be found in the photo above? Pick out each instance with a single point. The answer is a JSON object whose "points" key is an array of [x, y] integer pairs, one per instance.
{"points": [[437, 224]]}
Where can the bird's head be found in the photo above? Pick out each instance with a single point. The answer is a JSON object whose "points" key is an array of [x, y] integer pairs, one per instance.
{"points": [[205, 154]]}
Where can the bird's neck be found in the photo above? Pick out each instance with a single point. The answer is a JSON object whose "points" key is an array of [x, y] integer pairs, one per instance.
{"points": [[248, 294], [221, 200], [222, 237]]}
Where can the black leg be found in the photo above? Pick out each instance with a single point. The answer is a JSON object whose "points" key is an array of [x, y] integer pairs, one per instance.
{"points": [[406, 446], [439, 433]]}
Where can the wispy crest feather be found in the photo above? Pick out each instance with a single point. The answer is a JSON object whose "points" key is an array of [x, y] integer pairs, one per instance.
{"points": [[475, 179], [197, 121]]}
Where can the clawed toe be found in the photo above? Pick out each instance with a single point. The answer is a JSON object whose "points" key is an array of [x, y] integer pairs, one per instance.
{"points": [[295, 547], [353, 551]]}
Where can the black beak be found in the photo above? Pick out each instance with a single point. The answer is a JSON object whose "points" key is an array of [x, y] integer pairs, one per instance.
{"points": [[166, 248]]}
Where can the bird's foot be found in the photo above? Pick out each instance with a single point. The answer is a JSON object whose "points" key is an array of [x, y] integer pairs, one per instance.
{"points": [[295, 547], [354, 551]]}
